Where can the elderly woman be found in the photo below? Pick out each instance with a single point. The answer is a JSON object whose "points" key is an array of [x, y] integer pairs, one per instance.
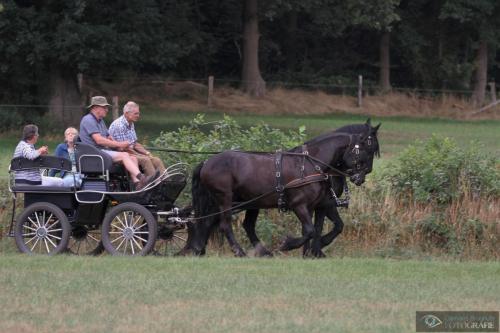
{"points": [[26, 148], [67, 150]]}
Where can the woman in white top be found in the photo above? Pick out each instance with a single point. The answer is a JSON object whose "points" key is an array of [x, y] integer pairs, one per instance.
{"points": [[26, 148]]}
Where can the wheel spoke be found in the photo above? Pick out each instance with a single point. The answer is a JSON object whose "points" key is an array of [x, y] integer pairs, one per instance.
{"points": [[54, 236], [137, 243], [56, 222], [121, 222], [37, 223], [125, 218], [141, 232], [46, 244], [48, 220], [137, 220], [93, 238], [117, 238], [179, 237], [126, 245], [117, 227], [30, 228], [142, 225], [132, 246], [55, 230], [31, 239], [51, 242], [120, 245], [37, 239], [142, 239]]}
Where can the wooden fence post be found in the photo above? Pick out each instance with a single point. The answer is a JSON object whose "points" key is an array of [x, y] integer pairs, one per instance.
{"points": [[210, 90], [115, 107], [360, 90], [493, 92]]}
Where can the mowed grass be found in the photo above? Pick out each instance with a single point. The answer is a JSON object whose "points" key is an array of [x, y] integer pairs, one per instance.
{"points": [[109, 294]]}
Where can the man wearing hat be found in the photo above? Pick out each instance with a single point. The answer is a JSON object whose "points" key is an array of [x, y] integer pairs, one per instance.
{"points": [[93, 131]]}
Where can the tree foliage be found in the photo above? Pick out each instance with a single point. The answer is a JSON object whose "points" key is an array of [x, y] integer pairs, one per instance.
{"points": [[433, 43]]}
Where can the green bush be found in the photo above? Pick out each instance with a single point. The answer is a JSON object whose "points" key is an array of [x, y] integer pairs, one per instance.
{"points": [[199, 136], [438, 170]]}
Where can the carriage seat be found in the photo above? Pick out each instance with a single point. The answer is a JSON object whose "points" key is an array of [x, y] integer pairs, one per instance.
{"points": [[41, 162], [91, 160]]}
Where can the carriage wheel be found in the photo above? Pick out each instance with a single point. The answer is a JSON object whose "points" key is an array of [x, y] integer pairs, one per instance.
{"points": [[129, 229], [42, 228], [85, 240], [171, 239]]}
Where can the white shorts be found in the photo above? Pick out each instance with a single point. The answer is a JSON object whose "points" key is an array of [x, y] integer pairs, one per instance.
{"points": [[111, 153], [52, 181]]}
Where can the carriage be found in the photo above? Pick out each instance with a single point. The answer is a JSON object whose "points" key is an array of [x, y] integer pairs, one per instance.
{"points": [[102, 213]]}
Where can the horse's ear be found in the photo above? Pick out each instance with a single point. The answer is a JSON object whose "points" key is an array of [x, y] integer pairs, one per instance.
{"points": [[375, 129], [369, 121]]}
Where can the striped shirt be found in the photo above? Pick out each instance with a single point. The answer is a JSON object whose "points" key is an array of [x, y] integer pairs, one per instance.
{"points": [[121, 130], [28, 176]]}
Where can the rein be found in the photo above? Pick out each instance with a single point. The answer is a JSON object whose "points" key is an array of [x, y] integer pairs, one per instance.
{"points": [[299, 182], [304, 154]]}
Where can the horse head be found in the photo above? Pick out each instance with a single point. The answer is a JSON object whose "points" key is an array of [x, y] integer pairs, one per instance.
{"points": [[357, 160]]}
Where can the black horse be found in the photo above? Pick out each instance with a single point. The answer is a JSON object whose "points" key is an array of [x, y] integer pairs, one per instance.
{"points": [[249, 181], [327, 207]]}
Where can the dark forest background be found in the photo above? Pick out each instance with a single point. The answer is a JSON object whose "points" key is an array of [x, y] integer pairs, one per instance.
{"points": [[438, 44]]}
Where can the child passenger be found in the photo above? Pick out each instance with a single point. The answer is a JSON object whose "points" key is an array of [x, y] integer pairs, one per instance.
{"points": [[67, 150]]}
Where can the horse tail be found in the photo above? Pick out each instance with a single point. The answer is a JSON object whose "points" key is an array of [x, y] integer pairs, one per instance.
{"points": [[204, 204]]}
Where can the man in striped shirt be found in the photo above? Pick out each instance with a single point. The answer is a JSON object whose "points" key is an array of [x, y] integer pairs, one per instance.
{"points": [[123, 130], [26, 148]]}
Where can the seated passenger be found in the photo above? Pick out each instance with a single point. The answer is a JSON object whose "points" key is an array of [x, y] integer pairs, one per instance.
{"points": [[26, 148], [93, 131], [122, 129], [67, 150]]}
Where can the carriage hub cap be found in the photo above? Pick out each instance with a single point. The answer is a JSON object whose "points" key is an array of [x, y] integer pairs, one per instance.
{"points": [[41, 232], [128, 233]]}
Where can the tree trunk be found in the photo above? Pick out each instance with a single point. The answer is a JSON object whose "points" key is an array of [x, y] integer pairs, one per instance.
{"points": [[253, 83], [481, 74], [385, 83], [64, 100]]}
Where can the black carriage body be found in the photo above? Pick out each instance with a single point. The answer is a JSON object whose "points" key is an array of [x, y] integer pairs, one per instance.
{"points": [[105, 186]]}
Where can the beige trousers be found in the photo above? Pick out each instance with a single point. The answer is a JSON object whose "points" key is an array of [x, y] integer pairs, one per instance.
{"points": [[150, 164]]}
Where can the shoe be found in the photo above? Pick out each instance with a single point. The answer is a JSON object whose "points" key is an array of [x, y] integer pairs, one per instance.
{"points": [[146, 180], [141, 183]]}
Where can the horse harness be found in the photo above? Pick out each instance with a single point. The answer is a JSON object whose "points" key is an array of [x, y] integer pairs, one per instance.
{"points": [[314, 178]]}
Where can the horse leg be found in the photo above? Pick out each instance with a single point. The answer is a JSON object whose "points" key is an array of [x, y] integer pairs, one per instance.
{"points": [[338, 226], [304, 215], [227, 228], [249, 226], [319, 219]]}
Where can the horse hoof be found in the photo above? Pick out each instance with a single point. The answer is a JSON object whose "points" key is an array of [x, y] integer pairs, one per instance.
{"points": [[261, 251], [285, 246], [239, 253], [318, 254]]}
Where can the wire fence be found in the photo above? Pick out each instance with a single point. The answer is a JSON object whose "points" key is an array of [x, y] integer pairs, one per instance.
{"points": [[165, 88]]}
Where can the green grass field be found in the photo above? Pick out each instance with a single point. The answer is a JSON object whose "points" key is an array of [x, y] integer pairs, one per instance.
{"points": [[106, 294]]}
